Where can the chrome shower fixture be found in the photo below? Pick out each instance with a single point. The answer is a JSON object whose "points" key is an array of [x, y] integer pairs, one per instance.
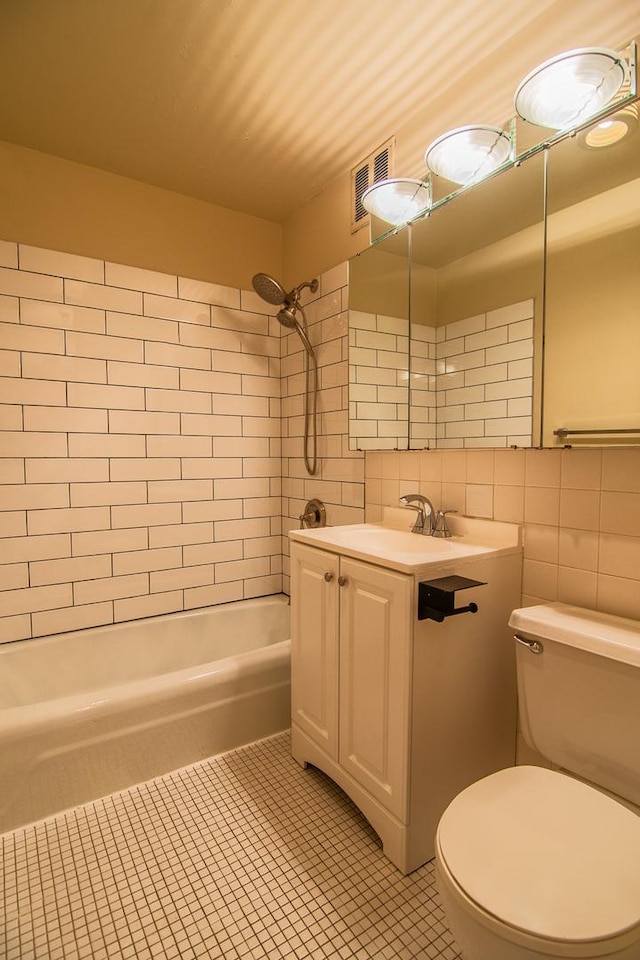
{"points": [[274, 293], [269, 289]]}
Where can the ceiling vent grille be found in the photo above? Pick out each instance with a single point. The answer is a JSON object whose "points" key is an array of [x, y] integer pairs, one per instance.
{"points": [[377, 166]]}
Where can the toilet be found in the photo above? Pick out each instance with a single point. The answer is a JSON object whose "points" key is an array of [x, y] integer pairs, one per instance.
{"points": [[536, 863]]}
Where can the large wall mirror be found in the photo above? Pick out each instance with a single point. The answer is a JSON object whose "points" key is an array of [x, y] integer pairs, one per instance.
{"points": [[520, 325], [592, 325], [477, 270]]}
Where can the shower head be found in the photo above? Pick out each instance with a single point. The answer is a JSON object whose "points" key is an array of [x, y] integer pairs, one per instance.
{"points": [[274, 293], [269, 289], [287, 316]]}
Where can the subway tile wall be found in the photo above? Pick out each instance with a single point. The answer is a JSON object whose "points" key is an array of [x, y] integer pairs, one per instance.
{"points": [[140, 445], [580, 510], [339, 481], [147, 459]]}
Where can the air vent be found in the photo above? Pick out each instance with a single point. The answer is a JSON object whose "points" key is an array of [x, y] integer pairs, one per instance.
{"points": [[377, 166]]}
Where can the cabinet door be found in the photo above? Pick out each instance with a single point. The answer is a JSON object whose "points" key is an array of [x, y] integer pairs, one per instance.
{"points": [[375, 680], [314, 645]]}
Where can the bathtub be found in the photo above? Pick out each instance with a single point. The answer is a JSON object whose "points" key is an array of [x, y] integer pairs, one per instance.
{"points": [[87, 713]]}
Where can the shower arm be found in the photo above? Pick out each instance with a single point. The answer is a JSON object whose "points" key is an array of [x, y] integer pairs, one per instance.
{"points": [[310, 284]]}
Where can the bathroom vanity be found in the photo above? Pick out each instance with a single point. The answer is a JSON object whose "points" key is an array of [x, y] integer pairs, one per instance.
{"points": [[403, 713]]}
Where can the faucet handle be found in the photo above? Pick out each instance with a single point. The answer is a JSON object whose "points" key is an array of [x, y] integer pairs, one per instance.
{"points": [[441, 529]]}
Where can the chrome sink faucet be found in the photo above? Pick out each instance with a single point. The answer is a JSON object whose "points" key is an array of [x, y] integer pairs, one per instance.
{"points": [[425, 522]]}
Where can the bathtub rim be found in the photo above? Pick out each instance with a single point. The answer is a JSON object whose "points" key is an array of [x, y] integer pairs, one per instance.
{"points": [[275, 599], [105, 701]]}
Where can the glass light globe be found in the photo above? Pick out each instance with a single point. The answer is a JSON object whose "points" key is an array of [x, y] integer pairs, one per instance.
{"points": [[397, 201], [568, 89], [468, 154]]}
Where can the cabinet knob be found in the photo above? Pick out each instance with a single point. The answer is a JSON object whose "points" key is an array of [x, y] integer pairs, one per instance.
{"points": [[342, 581], [328, 577]]}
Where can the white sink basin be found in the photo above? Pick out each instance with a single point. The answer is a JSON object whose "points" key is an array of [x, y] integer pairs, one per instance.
{"points": [[403, 550], [370, 536]]}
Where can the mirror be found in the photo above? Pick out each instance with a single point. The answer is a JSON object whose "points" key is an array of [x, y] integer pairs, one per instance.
{"points": [[486, 293], [379, 292], [477, 272], [592, 324], [473, 301]]}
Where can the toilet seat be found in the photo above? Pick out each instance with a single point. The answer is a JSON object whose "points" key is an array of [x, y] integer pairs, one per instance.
{"points": [[547, 857]]}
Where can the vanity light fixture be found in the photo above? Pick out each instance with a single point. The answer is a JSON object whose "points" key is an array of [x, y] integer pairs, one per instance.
{"points": [[565, 91], [397, 201], [468, 154]]}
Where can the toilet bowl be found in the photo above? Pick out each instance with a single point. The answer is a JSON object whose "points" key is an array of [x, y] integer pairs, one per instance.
{"points": [[533, 864]]}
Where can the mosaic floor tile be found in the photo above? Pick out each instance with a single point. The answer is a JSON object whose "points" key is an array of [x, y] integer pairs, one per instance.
{"points": [[245, 855]]}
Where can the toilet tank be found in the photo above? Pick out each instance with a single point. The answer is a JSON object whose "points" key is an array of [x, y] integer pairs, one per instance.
{"points": [[579, 698]]}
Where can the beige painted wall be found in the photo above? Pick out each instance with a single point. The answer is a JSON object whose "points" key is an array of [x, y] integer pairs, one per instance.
{"points": [[54, 203], [593, 336]]}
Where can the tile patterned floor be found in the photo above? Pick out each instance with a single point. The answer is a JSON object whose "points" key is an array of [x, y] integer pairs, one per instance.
{"points": [[242, 856]]}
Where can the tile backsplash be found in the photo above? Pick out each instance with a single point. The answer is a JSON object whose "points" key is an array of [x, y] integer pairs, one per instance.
{"points": [[580, 510]]}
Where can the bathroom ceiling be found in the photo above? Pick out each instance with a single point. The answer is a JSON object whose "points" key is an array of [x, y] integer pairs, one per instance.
{"points": [[256, 105]]}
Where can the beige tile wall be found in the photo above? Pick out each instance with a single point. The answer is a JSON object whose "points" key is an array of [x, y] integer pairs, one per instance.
{"points": [[580, 509], [140, 447]]}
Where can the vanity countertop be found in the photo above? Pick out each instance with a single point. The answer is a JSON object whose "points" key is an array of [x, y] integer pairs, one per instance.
{"points": [[392, 544]]}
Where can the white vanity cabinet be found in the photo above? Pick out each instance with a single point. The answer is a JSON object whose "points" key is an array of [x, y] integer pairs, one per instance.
{"points": [[351, 667], [401, 713]]}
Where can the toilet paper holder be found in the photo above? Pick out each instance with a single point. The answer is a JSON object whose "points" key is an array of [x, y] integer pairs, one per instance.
{"points": [[437, 598]]}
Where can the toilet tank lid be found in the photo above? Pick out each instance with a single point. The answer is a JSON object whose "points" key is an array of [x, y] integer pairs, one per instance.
{"points": [[545, 854], [601, 633]]}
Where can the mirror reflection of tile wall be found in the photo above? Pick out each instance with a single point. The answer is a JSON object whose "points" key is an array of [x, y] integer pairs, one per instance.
{"points": [[471, 381], [484, 380], [378, 377]]}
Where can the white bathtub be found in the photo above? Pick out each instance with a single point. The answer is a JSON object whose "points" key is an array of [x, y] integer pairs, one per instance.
{"points": [[84, 714]]}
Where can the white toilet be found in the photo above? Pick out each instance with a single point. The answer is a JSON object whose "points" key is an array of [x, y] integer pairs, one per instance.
{"points": [[533, 863]]}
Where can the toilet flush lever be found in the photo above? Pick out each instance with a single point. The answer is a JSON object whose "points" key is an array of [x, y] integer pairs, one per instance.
{"points": [[534, 645]]}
